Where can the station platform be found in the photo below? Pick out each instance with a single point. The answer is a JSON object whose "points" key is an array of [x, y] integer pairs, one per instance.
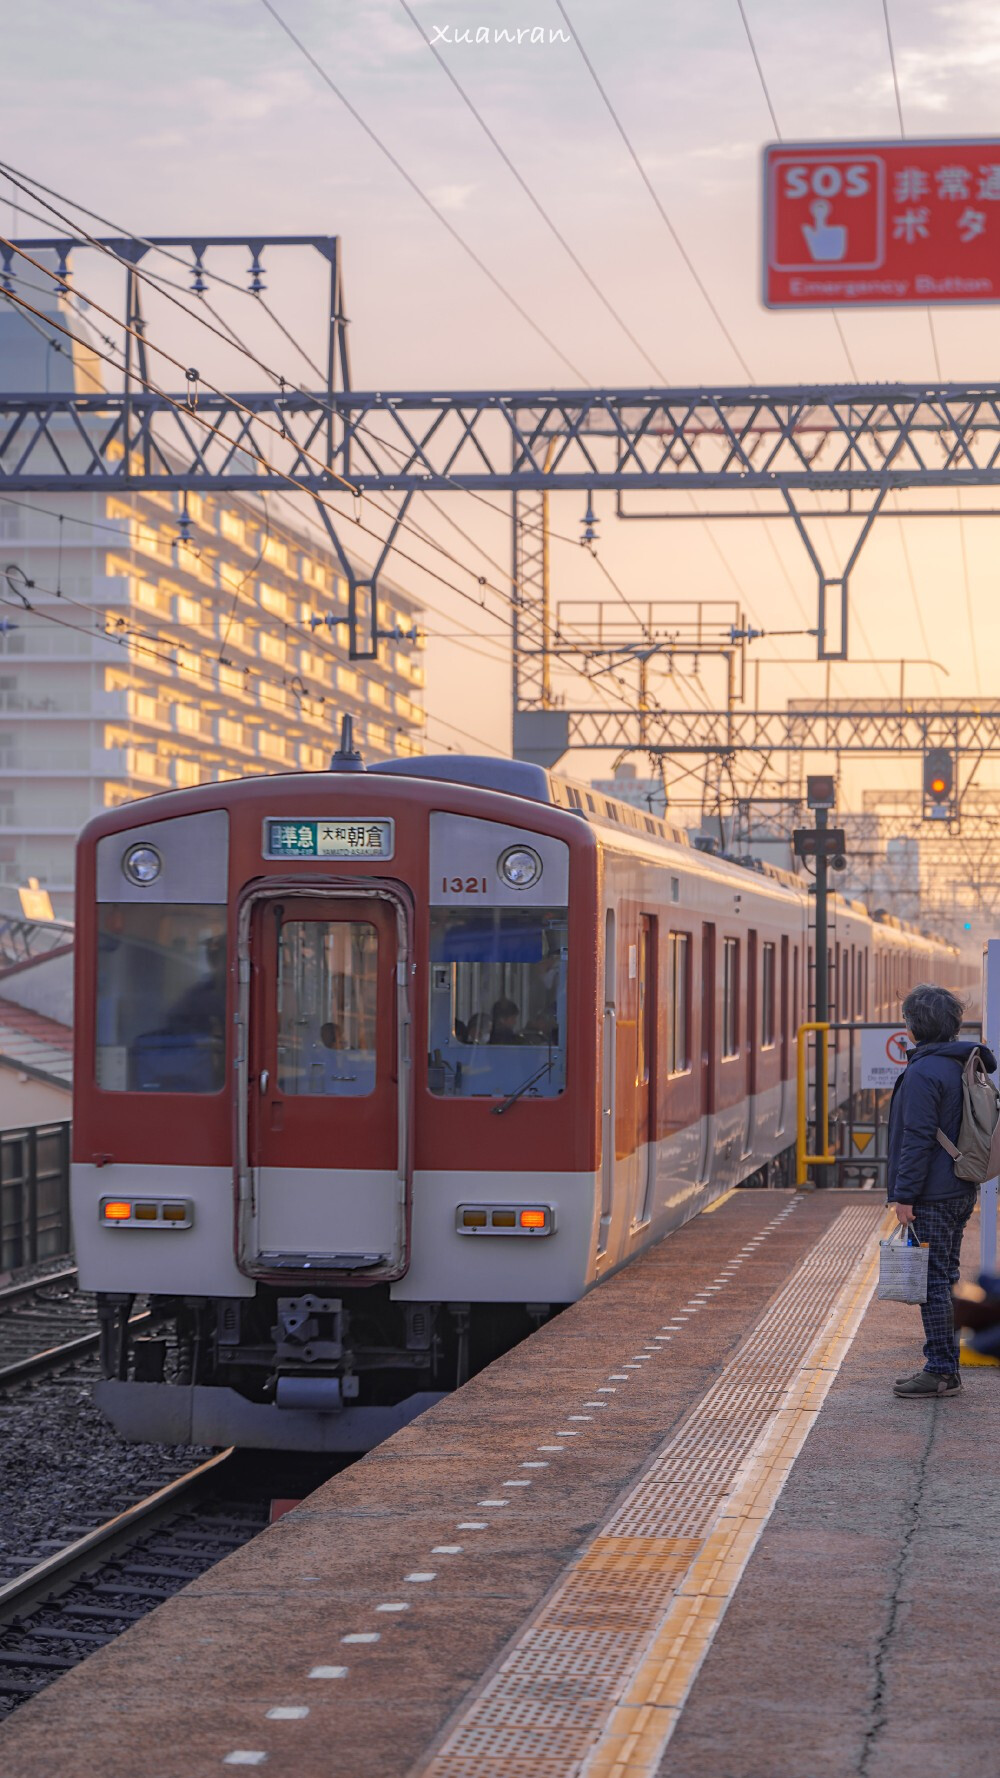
{"points": [[686, 1528]]}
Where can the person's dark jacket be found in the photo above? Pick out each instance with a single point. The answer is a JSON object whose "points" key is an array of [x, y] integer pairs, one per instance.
{"points": [[928, 1097]]}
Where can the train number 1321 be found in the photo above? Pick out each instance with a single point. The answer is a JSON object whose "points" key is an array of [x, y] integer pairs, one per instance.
{"points": [[463, 885]]}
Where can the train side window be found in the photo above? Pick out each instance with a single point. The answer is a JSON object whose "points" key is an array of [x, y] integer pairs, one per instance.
{"points": [[767, 986], [161, 998], [730, 997], [679, 1004]]}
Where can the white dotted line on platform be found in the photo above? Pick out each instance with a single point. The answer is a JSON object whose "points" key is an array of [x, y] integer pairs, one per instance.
{"points": [[242, 1756]]}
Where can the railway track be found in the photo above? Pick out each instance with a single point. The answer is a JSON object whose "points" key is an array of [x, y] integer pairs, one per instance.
{"points": [[84, 1594], [46, 1323]]}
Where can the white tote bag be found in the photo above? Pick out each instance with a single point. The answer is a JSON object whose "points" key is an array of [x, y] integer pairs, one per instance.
{"points": [[902, 1268]]}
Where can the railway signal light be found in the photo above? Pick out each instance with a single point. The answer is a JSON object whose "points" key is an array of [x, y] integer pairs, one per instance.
{"points": [[939, 784], [821, 791]]}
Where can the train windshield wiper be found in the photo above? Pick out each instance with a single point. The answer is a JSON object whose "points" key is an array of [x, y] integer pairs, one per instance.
{"points": [[512, 1098]]}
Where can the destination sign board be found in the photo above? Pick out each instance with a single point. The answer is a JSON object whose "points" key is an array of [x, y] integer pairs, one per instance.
{"points": [[856, 224], [361, 837]]}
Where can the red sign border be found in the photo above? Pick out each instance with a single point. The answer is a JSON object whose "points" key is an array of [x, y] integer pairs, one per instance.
{"points": [[865, 145]]}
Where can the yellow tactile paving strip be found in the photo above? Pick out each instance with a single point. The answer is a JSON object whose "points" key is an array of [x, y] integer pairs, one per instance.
{"points": [[595, 1681]]}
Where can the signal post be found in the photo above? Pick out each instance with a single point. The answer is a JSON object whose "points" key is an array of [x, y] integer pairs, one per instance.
{"points": [[827, 846]]}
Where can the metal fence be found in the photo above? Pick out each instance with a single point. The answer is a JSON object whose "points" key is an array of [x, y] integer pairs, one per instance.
{"points": [[34, 1194]]}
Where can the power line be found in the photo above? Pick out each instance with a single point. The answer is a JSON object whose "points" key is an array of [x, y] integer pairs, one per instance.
{"points": [[191, 414], [892, 64], [276, 377], [410, 525], [777, 130], [282, 382], [937, 362], [418, 189], [533, 199], [647, 182]]}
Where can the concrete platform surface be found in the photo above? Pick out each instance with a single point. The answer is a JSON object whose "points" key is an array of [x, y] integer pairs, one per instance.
{"points": [[686, 1528]]}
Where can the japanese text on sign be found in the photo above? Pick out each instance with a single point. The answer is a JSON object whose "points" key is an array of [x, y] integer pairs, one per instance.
{"points": [[359, 838], [860, 223], [883, 1056]]}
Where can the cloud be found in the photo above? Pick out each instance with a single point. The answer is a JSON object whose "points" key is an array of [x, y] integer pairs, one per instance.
{"points": [[451, 197]]}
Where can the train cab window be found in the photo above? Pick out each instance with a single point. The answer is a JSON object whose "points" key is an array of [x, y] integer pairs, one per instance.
{"points": [[497, 1020], [161, 998], [730, 997], [327, 992], [679, 1003], [767, 981]]}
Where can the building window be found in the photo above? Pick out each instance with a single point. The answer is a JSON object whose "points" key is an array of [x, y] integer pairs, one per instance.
{"points": [[679, 1004], [767, 998], [730, 997]]}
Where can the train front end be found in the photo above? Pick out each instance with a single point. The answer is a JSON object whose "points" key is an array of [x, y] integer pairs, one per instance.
{"points": [[331, 1120]]}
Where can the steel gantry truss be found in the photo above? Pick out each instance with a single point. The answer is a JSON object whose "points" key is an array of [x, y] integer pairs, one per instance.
{"points": [[972, 730], [802, 453]]}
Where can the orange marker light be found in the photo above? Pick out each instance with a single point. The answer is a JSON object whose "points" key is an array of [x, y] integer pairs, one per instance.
{"points": [[174, 1212], [116, 1212], [532, 1219]]}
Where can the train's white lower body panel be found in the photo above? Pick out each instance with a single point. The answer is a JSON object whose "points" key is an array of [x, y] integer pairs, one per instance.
{"points": [[656, 1188], [195, 1261]]}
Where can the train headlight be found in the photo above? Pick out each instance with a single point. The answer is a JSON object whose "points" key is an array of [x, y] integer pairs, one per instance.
{"points": [[142, 865], [519, 867]]}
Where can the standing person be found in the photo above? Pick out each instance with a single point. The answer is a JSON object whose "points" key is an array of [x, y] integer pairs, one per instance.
{"points": [[923, 1188]]}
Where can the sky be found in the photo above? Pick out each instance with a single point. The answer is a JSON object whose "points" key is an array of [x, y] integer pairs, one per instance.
{"points": [[204, 115]]}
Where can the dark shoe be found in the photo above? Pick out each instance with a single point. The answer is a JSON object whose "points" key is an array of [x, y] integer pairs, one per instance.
{"points": [[927, 1386]]}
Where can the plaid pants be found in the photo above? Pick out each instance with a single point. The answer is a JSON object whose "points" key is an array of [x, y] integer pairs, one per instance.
{"points": [[941, 1223]]}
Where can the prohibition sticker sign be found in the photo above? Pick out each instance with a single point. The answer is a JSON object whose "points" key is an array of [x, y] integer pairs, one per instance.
{"points": [[883, 1056]]}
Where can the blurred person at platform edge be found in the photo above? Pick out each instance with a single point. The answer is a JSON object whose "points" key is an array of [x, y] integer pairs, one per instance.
{"points": [[923, 1188]]}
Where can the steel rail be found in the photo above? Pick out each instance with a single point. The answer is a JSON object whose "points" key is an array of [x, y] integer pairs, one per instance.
{"points": [[58, 1572], [41, 1362], [13, 1294]]}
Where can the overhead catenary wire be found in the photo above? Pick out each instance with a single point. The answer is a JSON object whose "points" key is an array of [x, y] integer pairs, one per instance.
{"points": [[429, 541], [654, 194], [532, 196], [409, 525], [192, 414], [937, 364], [777, 130], [282, 382], [418, 189]]}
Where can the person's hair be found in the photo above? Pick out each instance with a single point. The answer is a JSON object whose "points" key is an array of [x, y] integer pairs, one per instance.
{"points": [[505, 1009], [933, 1014]]}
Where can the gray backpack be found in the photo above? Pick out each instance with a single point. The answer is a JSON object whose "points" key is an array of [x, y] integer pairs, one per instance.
{"points": [[977, 1157]]}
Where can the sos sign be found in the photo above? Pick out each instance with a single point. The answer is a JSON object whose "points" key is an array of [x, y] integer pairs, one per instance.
{"points": [[850, 224]]}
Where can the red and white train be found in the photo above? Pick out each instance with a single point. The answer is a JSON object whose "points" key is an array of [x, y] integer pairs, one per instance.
{"points": [[374, 1068]]}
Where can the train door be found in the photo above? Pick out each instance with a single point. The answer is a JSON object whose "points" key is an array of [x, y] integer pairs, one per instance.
{"points": [[646, 1068], [708, 1058], [326, 1085], [752, 1036], [785, 1015], [609, 1068]]}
